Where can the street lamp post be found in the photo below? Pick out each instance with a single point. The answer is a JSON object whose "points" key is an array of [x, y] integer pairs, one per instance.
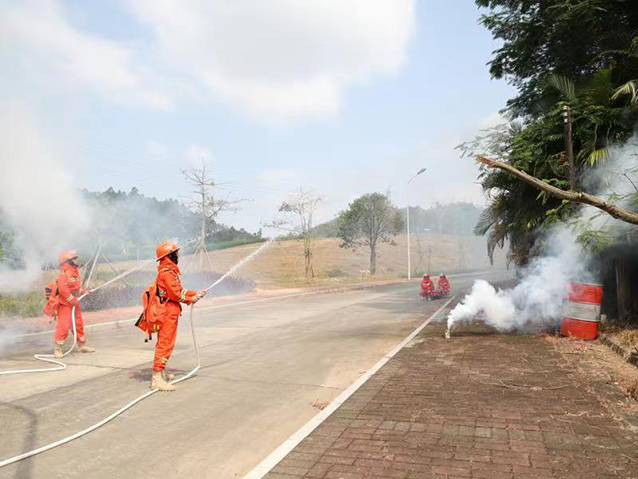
{"points": [[407, 209]]}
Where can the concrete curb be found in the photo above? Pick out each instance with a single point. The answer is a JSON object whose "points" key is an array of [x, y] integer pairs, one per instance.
{"points": [[265, 466], [623, 352]]}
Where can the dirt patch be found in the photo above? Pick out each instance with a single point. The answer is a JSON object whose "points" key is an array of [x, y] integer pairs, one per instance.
{"points": [[603, 373]]}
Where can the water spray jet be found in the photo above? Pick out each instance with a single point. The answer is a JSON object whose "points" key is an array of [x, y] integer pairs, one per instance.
{"points": [[117, 413]]}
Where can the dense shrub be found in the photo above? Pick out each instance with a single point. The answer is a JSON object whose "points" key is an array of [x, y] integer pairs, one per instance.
{"points": [[130, 294]]}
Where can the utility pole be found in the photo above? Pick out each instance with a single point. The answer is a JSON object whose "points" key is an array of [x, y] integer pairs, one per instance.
{"points": [[407, 209], [569, 147]]}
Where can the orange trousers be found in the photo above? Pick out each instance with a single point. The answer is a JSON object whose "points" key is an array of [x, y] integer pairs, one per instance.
{"points": [[65, 323], [165, 342]]}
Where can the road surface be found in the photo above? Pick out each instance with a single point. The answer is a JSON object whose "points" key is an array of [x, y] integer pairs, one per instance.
{"points": [[267, 368]]}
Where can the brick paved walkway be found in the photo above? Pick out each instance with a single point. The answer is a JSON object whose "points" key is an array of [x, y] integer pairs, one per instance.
{"points": [[479, 405]]}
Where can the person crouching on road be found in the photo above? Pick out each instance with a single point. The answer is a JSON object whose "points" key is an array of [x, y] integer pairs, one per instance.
{"points": [[69, 286], [427, 286], [443, 284], [171, 295]]}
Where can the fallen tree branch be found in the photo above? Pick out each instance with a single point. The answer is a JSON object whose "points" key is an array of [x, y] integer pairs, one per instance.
{"points": [[573, 196]]}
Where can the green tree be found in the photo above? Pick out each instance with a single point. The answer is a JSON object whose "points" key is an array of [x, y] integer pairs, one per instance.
{"points": [[369, 220], [517, 211], [582, 54], [573, 38]]}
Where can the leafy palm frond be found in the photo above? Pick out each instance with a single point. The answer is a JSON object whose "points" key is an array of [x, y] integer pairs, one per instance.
{"points": [[598, 156], [628, 89], [564, 85]]}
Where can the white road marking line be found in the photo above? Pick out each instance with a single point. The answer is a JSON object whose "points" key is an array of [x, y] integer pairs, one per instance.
{"points": [[265, 466]]}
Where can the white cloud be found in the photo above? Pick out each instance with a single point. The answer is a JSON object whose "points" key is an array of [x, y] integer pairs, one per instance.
{"points": [[39, 36], [275, 60], [281, 58]]}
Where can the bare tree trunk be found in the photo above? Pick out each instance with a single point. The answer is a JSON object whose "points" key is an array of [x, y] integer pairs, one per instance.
{"points": [[310, 272], [626, 283], [610, 287], [373, 259]]}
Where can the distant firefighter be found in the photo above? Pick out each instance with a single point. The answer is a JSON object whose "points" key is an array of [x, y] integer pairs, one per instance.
{"points": [[163, 308], [69, 288], [427, 286], [443, 284]]}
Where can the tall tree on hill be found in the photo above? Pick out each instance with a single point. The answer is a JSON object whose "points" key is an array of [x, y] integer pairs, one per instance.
{"points": [[369, 220], [296, 218]]}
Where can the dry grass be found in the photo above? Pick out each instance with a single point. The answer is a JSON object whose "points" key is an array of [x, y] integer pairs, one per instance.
{"points": [[628, 337], [602, 371], [624, 334]]}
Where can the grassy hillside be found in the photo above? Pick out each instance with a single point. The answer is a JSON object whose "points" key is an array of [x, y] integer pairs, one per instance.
{"points": [[281, 264]]}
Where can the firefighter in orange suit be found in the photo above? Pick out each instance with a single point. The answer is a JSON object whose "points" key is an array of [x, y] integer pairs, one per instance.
{"points": [[443, 284], [69, 286], [172, 295], [427, 286]]}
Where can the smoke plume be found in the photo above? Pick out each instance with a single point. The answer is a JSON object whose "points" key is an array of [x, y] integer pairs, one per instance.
{"points": [[536, 301], [38, 200], [537, 298]]}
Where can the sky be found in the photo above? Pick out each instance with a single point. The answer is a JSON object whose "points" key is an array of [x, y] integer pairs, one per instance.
{"points": [[343, 97]]}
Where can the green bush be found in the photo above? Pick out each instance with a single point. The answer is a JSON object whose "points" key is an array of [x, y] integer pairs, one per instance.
{"points": [[22, 304]]}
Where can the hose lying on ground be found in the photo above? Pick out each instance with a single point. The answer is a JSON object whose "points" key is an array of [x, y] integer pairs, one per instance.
{"points": [[50, 358], [92, 428]]}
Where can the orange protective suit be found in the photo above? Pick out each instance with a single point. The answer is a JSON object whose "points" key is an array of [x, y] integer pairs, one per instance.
{"points": [[171, 291], [427, 286], [444, 284], [69, 287]]}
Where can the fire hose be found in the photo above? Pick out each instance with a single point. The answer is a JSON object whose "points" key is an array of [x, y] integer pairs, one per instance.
{"points": [[104, 421], [49, 358]]}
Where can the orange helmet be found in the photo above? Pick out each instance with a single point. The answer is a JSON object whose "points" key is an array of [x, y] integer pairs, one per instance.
{"points": [[67, 255], [164, 249]]}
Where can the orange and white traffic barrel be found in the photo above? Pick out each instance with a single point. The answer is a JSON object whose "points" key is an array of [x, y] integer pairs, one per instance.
{"points": [[581, 311]]}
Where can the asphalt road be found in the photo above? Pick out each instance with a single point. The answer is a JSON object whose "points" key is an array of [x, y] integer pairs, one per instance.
{"points": [[266, 368]]}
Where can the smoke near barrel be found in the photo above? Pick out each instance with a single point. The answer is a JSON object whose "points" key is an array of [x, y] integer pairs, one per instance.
{"points": [[566, 254]]}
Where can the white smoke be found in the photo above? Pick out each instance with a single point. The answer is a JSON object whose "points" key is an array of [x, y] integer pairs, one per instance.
{"points": [[38, 200], [536, 300]]}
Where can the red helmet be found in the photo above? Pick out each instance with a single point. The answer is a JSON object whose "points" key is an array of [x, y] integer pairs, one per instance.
{"points": [[164, 249], [67, 255], [426, 275]]}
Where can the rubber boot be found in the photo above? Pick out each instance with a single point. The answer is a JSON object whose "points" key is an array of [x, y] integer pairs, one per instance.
{"points": [[167, 376], [158, 382], [83, 348], [57, 351]]}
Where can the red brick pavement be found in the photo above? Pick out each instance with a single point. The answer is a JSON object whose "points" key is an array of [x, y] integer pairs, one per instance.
{"points": [[481, 405]]}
